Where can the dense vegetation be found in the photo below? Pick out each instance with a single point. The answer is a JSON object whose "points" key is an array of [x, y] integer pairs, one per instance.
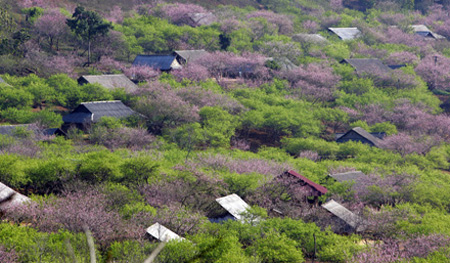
{"points": [[265, 100]]}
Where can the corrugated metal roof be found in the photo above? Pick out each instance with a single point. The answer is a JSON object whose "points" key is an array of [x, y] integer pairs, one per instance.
{"points": [[10, 198], [346, 33], [348, 176], [367, 65], [203, 19], [93, 111], [363, 133], [318, 187], [310, 38], [423, 30], [234, 205], [162, 233], [343, 213], [191, 55], [110, 81], [159, 62]]}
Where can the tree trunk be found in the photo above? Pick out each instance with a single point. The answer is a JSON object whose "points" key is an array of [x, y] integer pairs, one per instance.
{"points": [[89, 52]]}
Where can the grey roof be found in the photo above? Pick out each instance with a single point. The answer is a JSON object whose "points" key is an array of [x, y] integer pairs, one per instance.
{"points": [[346, 33], [363, 133], [159, 62], [162, 233], [190, 55], [367, 65], [424, 31], [234, 205], [93, 111], [110, 81], [10, 198], [284, 63], [310, 38], [343, 213], [9, 129], [203, 19], [348, 176]]}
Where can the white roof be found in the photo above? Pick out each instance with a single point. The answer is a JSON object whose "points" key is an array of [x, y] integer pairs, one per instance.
{"points": [[10, 198], [234, 205], [346, 33], [162, 233], [343, 213]]}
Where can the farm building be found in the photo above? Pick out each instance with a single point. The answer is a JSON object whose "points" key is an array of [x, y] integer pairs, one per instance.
{"points": [[10, 198], [186, 56], [354, 222], [232, 208], [91, 112], [346, 33], [310, 38], [367, 65], [158, 62], [358, 134], [312, 188], [425, 32], [113, 81], [161, 233]]}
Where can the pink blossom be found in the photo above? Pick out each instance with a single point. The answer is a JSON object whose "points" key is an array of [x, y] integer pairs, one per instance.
{"points": [[115, 15], [283, 22]]}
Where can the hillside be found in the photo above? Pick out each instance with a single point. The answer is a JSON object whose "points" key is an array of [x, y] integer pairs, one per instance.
{"points": [[238, 131]]}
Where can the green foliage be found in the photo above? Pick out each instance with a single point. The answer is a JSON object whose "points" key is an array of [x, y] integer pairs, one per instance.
{"points": [[218, 126], [277, 248], [96, 167], [138, 170]]}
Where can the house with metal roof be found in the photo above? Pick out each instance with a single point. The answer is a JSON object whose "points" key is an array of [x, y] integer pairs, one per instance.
{"points": [[233, 208], [202, 19], [312, 188], [88, 113], [10, 198], [186, 56], [358, 134], [111, 82], [162, 233], [352, 220], [346, 33], [367, 65], [158, 62], [425, 32], [352, 176]]}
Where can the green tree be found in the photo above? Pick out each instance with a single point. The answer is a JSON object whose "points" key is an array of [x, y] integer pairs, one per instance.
{"points": [[88, 25]]}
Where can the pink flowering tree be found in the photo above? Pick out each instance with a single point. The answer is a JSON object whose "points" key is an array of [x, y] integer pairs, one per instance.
{"points": [[179, 13], [315, 82], [115, 15], [434, 69], [141, 73], [52, 27], [191, 71], [405, 144], [8, 256], [402, 57], [282, 22]]}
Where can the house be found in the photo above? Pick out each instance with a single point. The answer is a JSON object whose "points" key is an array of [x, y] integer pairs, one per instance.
{"points": [[185, 56], [202, 19], [346, 33], [158, 62], [91, 112], [367, 65], [310, 38], [233, 208], [352, 220], [423, 31], [111, 82], [161, 233], [10, 198], [283, 63], [358, 134], [312, 188], [352, 176]]}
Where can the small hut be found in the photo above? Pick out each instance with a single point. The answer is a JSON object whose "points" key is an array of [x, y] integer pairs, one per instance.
{"points": [[10, 198], [161, 233], [358, 134], [367, 65], [185, 56], [111, 82], [346, 33], [232, 208], [158, 62], [353, 221]]}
